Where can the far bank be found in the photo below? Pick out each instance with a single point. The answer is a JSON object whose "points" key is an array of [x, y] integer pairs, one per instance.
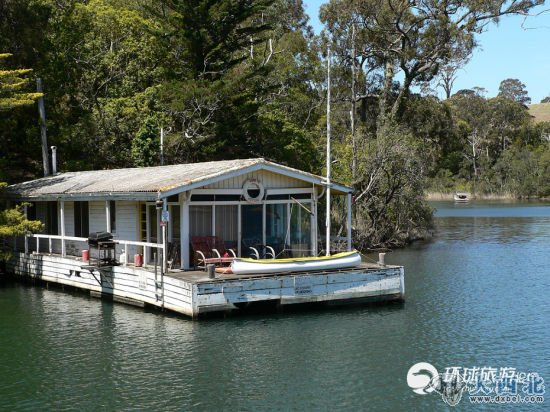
{"points": [[434, 196]]}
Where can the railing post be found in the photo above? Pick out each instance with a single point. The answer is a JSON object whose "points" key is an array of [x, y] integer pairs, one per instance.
{"points": [[37, 245], [349, 203], [125, 254], [26, 244], [62, 213], [50, 245], [145, 256]]}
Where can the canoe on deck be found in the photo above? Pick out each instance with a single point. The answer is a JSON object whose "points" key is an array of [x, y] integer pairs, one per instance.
{"points": [[338, 261]]}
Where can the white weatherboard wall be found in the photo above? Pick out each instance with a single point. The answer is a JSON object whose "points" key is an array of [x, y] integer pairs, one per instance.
{"points": [[270, 180], [132, 284], [69, 219], [127, 221], [98, 221]]}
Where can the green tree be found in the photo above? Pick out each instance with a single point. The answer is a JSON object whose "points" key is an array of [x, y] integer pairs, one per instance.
{"points": [[211, 91], [241, 86], [113, 59], [472, 118], [12, 86], [413, 38], [514, 90], [507, 118], [146, 144], [389, 211]]}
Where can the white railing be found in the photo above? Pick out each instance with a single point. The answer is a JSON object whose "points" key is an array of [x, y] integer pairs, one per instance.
{"points": [[147, 246], [50, 238]]}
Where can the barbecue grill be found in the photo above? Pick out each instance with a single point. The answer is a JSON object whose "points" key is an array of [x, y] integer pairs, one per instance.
{"points": [[95, 237], [105, 246]]}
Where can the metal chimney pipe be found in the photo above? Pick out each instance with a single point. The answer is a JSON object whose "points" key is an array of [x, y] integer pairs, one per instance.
{"points": [[54, 160]]}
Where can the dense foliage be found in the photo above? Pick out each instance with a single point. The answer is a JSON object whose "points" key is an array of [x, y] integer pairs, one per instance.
{"points": [[244, 78], [13, 222], [12, 83]]}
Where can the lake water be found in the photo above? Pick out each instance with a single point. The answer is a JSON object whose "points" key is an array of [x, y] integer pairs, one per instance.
{"points": [[478, 295]]}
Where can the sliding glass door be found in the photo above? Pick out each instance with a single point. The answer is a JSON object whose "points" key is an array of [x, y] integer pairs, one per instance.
{"points": [[276, 228], [285, 226], [251, 228], [227, 217]]}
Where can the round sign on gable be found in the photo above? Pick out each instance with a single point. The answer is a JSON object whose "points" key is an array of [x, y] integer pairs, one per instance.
{"points": [[253, 191]]}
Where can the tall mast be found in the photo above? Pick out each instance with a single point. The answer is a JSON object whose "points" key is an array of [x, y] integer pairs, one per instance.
{"points": [[328, 155]]}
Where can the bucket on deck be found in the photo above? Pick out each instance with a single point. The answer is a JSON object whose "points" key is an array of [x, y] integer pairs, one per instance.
{"points": [[85, 255], [138, 261]]}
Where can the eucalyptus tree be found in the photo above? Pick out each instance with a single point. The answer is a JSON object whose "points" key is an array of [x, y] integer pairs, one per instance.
{"points": [[413, 38], [514, 89]]}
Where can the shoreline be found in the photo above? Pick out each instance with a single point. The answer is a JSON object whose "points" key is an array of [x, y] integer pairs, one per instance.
{"points": [[434, 196]]}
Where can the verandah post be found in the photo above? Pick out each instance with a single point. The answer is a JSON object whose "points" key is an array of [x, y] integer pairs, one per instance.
{"points": [[107, 216], [184, 230], [349, 201], [62, 213]]}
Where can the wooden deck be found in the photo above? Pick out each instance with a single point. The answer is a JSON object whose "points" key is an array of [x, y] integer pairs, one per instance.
{"points": [[200, 276], [193, 293]]}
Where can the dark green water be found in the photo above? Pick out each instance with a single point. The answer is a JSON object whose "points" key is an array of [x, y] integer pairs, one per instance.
{"points": [[478, 295]]}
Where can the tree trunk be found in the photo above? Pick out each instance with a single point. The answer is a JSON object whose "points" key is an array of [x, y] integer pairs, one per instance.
{"points": [[386, 91], [402, 92]]}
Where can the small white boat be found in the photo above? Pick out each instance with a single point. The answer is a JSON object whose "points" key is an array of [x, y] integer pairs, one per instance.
{"points": [[342, 260], [461, 197]]}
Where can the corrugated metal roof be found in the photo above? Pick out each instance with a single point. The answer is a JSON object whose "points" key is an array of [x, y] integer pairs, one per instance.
{"points": [[147, 180]]}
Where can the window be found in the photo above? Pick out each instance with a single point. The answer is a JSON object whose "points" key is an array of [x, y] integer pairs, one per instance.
{"points": [[81, 219], [31, 211], [112, 215], [143, 222], [300, 230], [154, 224], [227, 225], [200, 220], [277, 226], [51, 218], [251, 227], [175, 219]]}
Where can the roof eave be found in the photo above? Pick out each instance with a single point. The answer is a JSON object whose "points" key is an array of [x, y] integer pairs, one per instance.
{"points": [[75, 197]]}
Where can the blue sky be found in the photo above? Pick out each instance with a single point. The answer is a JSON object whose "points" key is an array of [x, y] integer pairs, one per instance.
{"points": [[505, 51]]}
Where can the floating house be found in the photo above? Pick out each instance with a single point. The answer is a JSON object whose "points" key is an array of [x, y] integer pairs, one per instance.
{"points": [[157, 215]]}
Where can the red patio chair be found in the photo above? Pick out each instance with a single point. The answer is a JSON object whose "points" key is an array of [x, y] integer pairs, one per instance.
{"points": [[210, 250]]}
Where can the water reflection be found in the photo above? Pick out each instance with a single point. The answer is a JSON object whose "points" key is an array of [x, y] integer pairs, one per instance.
{"points": [[493, 230]]}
